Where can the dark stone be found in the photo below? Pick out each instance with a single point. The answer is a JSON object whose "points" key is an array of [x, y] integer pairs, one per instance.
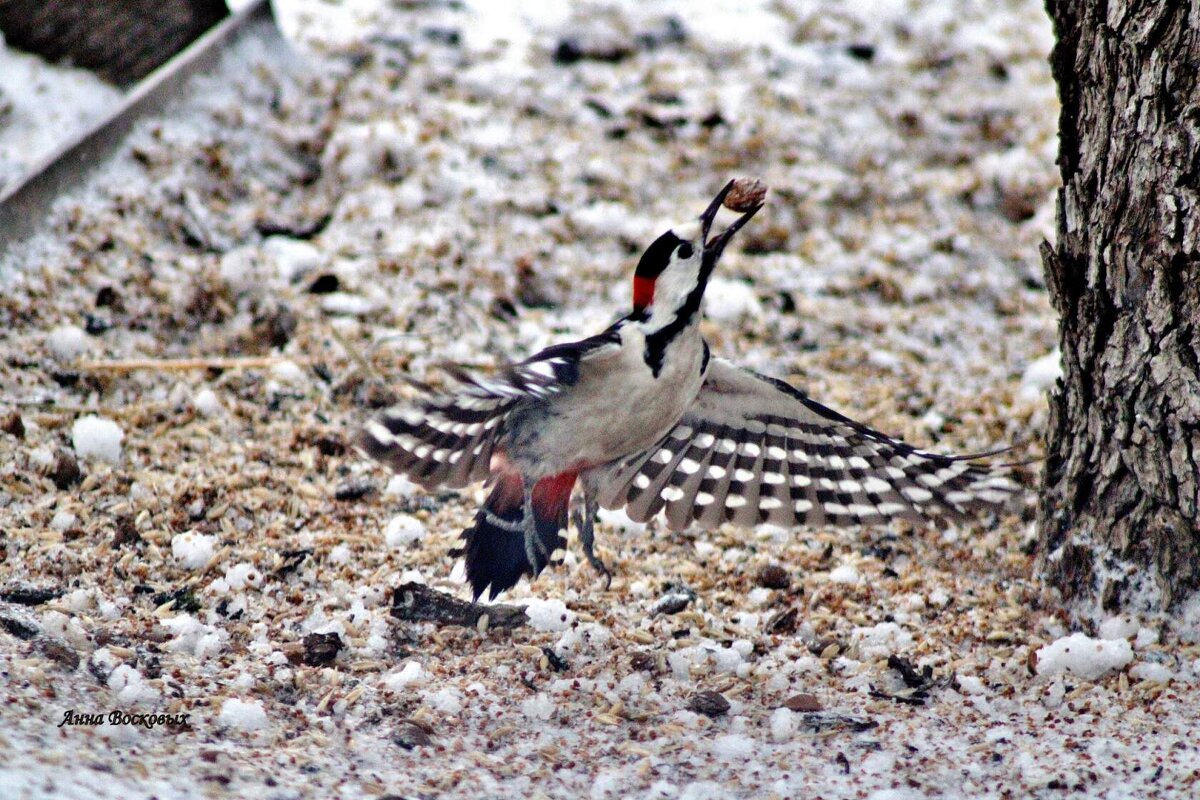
{"points": [[325, 283], [410, 734], [557, 662], [321, 648], [863, 52], [711, 704], [773, 576], [24, 595], [803, 703], [676, 597], [58, 651], [13, 425], [354, 490], [66, 470]]}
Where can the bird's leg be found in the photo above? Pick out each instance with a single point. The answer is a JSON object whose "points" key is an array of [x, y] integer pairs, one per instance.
{"points": [[585, 523], [533, 542]]}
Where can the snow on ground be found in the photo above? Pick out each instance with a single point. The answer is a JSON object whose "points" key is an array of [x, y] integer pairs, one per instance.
{"points": [[41, 107], [471, 182]]}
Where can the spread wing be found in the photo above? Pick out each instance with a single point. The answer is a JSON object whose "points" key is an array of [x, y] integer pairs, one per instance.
{"points": [[754, 449], [447, 437]]}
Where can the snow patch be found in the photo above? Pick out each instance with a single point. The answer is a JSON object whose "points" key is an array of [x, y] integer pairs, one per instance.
{"points": [[882, 640], [193, 636], [67, 343], [1041, 375], [846, 573], [206, 403], [619, 520], [549, 615], [404, 530], [193, 550], [733, 747], [412, 674], [784, 724], [538, 707], [400, 486], [1147, 671], [131, 688], [242, 715], [96, 437], [1083, 656], [447, 701], [729, 301]]}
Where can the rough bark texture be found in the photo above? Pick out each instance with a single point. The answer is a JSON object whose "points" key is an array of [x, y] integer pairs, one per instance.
{"points": [[1118, 513], [120, 40]]}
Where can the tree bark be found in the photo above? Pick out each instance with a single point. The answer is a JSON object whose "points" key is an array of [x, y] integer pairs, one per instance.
{"points": [[1119, 526], [120, 40]]}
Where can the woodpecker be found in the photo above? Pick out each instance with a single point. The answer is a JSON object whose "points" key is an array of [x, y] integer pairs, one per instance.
{"points": [[641, 417]]}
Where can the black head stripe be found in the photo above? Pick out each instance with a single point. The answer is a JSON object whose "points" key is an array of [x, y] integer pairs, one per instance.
{"points": [[657, 256]]}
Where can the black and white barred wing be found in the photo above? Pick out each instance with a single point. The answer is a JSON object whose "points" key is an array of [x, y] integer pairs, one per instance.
{"points": [[447, 437], [752, 449]]}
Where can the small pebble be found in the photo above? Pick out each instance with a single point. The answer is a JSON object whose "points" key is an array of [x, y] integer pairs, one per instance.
{"points": [[66, 470], [803, 703], [321, 648], [57, 650], [773, 576], [411, 734], [13, 425], [643, 662], [709, 703], [354, 490]]}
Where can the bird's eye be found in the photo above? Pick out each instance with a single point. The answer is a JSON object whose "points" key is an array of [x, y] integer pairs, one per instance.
{"points": [[684, 251]]}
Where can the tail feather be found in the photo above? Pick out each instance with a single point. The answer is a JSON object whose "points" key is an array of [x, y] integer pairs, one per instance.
{"points": [[494, 547]]}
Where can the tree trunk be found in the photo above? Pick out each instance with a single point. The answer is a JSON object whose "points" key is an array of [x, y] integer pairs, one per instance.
{"points": [[1119, 526], [120, 40]]}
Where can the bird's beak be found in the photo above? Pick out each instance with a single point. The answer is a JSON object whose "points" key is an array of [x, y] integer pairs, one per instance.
{"points": [[715, 246]]}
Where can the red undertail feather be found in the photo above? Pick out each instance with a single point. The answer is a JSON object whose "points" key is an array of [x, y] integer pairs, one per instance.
{"points": [[552, 495], [494, 548]]}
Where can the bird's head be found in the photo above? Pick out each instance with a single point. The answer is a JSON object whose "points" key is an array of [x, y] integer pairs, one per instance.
{"points": [[673, 272]]}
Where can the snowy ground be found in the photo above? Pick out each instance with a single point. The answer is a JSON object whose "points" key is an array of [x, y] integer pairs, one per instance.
{"points": [[447, 184], [41, 107]]}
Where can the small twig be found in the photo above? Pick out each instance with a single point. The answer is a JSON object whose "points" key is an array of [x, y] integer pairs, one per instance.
{"points": [[355, 356], [184, 364]]}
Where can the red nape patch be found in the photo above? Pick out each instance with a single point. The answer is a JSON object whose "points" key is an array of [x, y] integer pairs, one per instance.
{"points": [[643, 291], [552, 495]]}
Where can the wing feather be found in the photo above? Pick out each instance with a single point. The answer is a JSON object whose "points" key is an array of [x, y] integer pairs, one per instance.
{"points": [[754, 449], [447, 437]]}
